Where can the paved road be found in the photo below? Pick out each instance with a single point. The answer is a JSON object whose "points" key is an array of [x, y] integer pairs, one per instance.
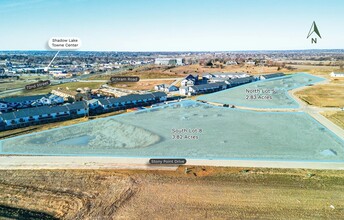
{"points": [[9, 91], [13, 92], [78, 162], [92, 162], [178, 80], [315, 112]]}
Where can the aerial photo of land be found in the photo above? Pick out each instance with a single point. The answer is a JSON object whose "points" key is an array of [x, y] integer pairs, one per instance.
{"points": [[171, 109], [295, 115]]}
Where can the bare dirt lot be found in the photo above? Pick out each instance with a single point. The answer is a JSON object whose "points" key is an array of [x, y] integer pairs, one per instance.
{"points": [[188, 193], [64, 194]]}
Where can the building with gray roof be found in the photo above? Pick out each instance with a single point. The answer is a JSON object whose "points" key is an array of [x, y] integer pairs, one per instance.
{"points": [[22, 99], [270, 76], [239, 81], [42, 114], [206, 88]]}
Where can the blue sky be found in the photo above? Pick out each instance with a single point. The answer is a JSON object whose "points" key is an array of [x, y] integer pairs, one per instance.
{"points": [[171, 25]]}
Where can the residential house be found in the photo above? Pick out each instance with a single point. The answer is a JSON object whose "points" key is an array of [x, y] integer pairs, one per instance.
{"points": [[21, 101], [270, 76], [171, 88], [3, 106], [104, 103], [42, 114], [55, 99], [169, 61], [231, 62], [224, 76], [184, 90], [190, 80], [239, 81], [132, 100], [336, 74], [78, 109], [250, 62], [166, 88], [159, 96], [93, 103], [50, 100], [205, 88], [160, 87], [186, 82]]}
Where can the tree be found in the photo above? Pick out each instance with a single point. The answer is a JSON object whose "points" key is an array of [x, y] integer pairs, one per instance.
{"points": [[209, 63]]}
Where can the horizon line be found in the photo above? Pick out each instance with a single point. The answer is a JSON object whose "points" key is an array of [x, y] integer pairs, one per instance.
{"points": [[168, 51]]}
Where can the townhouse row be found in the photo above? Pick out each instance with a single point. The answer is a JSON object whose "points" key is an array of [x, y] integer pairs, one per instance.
{"points": [[45, 114]]}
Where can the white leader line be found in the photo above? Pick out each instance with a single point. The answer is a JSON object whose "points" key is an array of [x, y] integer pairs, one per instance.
{"points": [[52, 60]]}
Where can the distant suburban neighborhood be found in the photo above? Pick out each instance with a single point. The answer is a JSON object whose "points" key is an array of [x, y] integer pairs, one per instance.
{"points": [[32, 110], [93, 93]]}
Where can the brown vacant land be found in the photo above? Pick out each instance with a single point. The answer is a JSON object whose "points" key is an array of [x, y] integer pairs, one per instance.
{"points": [[144, 72], [322, 71], [199, 69], [324, 95], [157, 72], [63, 194], [188, 193], [14, 84], [21, 83], [160, 72], [141, 85], [71, 85], [335, 117]]}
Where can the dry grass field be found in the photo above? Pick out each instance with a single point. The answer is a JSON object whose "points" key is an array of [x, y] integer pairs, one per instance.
{"points": [[160, 72], [198, 69], [144, 72], [322, 71], [7, 85], [71, 85], [335, 117], [188, 193], [21, 83], [324, 95], [141, 85]]}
